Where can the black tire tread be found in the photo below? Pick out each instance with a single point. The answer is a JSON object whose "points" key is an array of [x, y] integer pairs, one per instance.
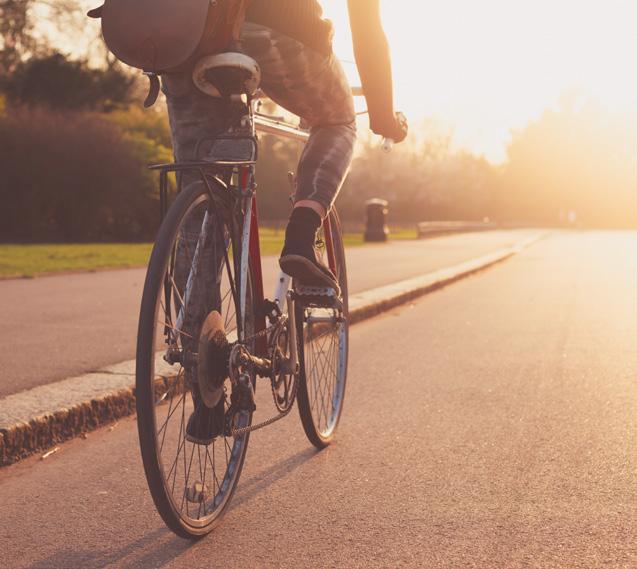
{"points": [[145, 353], [305, 411]]}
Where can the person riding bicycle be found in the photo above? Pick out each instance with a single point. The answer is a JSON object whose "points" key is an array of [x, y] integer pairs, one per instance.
{"points": [[292, 44]]}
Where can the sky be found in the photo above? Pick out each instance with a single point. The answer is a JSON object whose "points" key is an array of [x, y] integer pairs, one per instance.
{"points": [[483, 68], [486, 67]]}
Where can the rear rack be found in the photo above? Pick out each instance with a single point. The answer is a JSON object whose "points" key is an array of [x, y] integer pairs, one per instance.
{"points": [[262, 123]]}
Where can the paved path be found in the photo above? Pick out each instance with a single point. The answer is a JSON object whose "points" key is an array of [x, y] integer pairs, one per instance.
{"points": [[491, 424], [64, 326]]}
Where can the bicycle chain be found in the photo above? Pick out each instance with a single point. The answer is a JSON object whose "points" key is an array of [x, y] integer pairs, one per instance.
{"points": [[263, 333], [251, 428], [244, 430]]}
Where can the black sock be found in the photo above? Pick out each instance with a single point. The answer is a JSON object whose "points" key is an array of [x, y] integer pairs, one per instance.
{"points": [[300, 234]]}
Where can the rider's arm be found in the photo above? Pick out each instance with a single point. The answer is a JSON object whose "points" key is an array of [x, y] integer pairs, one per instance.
{"points": [[374, 66]]}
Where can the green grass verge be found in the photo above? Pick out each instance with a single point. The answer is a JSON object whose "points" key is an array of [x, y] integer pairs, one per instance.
{"points": [[34, 260]]}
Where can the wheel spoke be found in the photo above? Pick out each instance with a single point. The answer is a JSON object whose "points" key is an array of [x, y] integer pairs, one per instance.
{"points": [[321, 360], [187, 476], [203, 483], [324, 354], [195, 276], [164, 426], [176, 289]]}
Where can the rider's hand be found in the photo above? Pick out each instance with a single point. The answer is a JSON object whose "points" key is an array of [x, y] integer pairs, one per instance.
{"points": [[394, 127]]}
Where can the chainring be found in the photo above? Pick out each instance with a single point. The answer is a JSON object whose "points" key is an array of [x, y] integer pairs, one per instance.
{"points": [[284, 385]]}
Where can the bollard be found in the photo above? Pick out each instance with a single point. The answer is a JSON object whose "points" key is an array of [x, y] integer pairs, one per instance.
{"points": [[376, 224]]}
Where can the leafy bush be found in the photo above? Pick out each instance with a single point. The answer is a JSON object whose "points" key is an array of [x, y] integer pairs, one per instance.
{"points": [[150, 123], [421, 182], [59, 83], [75, 177]]}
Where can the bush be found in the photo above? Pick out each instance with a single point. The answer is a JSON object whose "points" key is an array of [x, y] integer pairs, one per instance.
{"points": [[150, 123], [421, 183], [75, 177], [59, 83]]}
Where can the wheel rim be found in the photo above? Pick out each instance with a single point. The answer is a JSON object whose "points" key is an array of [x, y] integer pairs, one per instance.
{"points": [[325, 351], [325, 360], [198, 480]]}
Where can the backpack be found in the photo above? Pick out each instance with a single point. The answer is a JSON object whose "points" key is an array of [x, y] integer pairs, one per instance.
{"points": [[164, 36]]}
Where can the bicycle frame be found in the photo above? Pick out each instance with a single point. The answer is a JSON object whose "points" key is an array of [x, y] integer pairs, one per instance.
{"points": [[251, 249], [268, 125]]}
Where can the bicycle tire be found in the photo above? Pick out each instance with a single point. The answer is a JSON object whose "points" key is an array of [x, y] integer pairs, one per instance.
{"points": [[152, 391], [321, 403]]}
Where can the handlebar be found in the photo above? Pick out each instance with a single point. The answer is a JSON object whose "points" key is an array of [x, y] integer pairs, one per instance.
{"points": [[387, 144]]}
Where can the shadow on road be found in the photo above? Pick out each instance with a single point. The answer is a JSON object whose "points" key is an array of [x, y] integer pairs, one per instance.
{"points": [[160, 547], [267, 477]]}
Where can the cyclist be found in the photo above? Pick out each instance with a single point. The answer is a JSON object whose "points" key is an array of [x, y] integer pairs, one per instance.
{"points": [[292, 44]]}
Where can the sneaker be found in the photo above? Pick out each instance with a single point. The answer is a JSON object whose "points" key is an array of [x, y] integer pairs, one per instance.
{"points": [[299, 259], [309, 272], [205, 424], [207, 420]]}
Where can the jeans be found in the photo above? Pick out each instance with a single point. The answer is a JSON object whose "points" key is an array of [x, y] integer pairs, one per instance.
{"points": [[310, 84]]}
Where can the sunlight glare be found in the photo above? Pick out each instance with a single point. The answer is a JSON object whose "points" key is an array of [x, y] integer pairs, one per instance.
{"points": [[487, 67]]}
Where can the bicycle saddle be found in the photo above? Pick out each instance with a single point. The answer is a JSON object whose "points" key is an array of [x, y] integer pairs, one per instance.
{"points": [[227, 74]]}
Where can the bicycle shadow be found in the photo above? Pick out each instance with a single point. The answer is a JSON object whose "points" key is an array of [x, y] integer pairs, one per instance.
{"points": [[161, 547], [263, 480], [156, 554]]}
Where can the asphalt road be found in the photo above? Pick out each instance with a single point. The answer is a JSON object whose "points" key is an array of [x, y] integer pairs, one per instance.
{"points": [[64, 326], [490, 425]]}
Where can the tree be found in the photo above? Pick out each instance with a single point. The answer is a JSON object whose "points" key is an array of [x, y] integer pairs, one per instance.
{"points": [[15, 34], [63, 22], [76, 177], [579, 159], [56, 82], [422, 181]]}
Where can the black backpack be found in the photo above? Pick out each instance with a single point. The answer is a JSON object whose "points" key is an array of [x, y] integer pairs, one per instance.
{"points": [[164, 36]]}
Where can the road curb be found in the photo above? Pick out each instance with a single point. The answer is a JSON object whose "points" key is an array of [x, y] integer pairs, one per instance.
{"points": [[40, 418], [23, 439], [372, 303]]}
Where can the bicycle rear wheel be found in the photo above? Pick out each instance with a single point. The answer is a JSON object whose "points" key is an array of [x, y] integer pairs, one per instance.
{"points": [[324, 345], [191, 274]]}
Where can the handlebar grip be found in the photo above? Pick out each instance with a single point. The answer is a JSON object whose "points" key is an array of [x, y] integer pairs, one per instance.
{"points": [[388, 145]]}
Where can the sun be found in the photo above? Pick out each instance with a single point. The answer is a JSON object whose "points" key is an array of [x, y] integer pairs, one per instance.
{"points": [[488, 67]]}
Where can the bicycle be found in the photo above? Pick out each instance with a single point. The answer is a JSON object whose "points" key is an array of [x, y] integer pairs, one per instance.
{"points": [[206, 329]]}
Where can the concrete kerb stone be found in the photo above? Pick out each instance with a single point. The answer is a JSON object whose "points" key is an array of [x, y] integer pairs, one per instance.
{"points": [[372, 303], [37, 419], [44, 431]]}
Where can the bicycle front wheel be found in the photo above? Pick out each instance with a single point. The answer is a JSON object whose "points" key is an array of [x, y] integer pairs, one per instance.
{"points": [[324, 345], [192, 273]]}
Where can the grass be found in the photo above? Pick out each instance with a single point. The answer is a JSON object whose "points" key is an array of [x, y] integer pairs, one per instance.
{"points": [[33, 260]]}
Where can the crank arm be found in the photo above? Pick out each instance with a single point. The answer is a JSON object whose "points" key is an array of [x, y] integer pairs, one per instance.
{"points": [[262, 366]]}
